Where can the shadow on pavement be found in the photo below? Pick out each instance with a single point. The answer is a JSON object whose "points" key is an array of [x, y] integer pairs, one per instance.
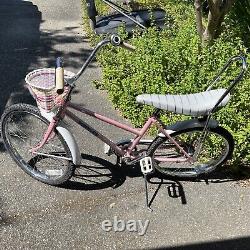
{"points": [[174, 188], [97, 173], [236, 244], [2, 215], [19, 32], [24, 47]]}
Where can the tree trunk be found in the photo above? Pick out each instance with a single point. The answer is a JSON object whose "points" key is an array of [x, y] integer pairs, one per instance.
{"points": [[198, 14], [217, 11], [211, 29]]}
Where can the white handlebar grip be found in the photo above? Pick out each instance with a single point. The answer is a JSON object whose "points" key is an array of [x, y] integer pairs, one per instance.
{"points": [[59, 76]]}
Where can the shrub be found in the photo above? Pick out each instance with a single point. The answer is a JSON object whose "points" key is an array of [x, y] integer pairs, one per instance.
{"points": [[171, 62], [240, 19]]}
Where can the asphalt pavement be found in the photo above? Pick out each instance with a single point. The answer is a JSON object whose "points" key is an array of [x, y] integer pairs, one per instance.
{"points": [[202, 214]]}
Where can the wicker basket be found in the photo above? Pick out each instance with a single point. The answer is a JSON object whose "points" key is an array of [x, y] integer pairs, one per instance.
{"points": [[41, 84]]}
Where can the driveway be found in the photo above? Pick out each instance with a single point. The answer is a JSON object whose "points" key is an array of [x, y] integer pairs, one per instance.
{"points": [[203, 214]]}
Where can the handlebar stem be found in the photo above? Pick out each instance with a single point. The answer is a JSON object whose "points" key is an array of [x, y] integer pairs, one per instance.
{"points": [[114, 39]]}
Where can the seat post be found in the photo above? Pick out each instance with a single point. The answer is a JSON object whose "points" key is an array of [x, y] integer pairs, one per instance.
{"points": [[157, 113]]}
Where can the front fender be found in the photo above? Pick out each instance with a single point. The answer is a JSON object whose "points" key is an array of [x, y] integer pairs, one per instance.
{"points": [[67, 136]]}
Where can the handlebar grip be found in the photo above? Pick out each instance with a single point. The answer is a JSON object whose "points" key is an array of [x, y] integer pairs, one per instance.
{"points": [[59, 76], [128, 46]]}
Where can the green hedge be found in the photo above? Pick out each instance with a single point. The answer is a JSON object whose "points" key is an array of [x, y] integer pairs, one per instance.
{"points": [[171, 62]]}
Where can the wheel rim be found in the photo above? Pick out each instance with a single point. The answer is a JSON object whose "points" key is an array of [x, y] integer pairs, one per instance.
{"points": [[214, 151], [23, 131]]}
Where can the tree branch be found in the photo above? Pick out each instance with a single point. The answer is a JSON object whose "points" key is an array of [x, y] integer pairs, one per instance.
{"points": [[217, 11], [198, 13], [212, 6], [226, 5]]}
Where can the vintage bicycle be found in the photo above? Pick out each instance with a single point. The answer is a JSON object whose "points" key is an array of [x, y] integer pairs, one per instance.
{"points": [[39, 141]]}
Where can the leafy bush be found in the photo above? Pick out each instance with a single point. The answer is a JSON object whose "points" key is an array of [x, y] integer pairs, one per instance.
{"points": [[240, 19], [172, 62]]}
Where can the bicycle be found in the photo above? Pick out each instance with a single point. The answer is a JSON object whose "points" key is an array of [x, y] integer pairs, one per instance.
{"points": [[41, 144]]}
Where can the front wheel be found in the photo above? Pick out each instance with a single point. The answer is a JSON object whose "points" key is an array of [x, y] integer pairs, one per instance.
{"points": [[169, 160], [22, 129]]}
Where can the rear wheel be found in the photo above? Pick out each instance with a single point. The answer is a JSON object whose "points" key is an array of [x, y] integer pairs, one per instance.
{"points": [[169, 160], [22, 129]]}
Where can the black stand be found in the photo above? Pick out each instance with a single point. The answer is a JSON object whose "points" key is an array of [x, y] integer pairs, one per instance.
{"points": [[109, 24]]}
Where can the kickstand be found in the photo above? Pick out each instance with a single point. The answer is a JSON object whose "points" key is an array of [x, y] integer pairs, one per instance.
{"points": [[146, 193]]}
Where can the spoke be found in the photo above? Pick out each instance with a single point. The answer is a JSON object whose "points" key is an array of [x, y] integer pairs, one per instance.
{"points": [[54, 156]]}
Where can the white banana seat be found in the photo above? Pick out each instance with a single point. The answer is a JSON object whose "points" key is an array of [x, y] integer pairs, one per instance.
{"points": [[198, 104]]}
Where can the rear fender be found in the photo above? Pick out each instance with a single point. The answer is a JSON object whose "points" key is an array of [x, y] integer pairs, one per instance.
{"points": [[185, 125]]}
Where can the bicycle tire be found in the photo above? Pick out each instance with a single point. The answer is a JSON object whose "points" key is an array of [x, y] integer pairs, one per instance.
{"points": [[161, 146], [22, 128]]}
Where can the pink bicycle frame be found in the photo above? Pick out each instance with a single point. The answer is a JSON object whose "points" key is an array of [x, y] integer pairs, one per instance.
{"points": [[64, 104], [139, 133]]}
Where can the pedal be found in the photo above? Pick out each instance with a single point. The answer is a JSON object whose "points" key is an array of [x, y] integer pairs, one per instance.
{"points": [[107, 149], [146, 165]]}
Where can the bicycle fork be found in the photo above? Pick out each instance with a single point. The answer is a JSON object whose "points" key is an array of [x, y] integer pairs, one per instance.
{"points": [[48, 135]]}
